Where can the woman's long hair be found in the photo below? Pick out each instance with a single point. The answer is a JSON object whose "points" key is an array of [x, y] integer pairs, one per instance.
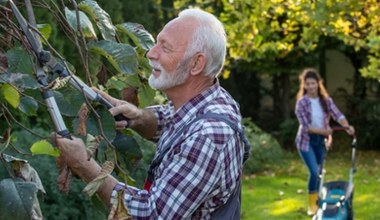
{"points": [[322, 92]]}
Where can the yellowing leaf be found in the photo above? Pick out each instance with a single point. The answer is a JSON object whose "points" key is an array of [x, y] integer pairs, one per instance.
{"points": [[84, 21], [10, 94], [118, 210], [92, 144], [44, 147]]}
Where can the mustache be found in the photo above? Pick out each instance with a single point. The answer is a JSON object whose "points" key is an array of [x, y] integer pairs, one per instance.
{"points": [[155, 65]]}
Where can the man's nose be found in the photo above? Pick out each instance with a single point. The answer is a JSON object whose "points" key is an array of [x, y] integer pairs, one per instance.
{"points": [[152, 53]]}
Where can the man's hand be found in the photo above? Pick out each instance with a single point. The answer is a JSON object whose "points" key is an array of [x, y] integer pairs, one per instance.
{"points": [[72, 151], [125, 108]]}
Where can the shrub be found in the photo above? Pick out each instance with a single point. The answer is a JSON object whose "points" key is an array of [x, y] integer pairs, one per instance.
{"points": [[287, 134], [265, 150]]}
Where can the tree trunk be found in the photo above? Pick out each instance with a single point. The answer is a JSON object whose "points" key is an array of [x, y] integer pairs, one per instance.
{"points": [[285, 82], [281, 96]]}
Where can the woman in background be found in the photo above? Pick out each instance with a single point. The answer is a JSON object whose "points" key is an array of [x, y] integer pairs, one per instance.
{"points": [[314, 108]]}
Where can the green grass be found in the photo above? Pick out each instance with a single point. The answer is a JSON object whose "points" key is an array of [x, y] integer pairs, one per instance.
{"points": [[280, 193]]}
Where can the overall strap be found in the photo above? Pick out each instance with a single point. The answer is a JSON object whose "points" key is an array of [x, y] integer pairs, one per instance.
{"points": [[156, 162], [231, 209], [234, 126]]}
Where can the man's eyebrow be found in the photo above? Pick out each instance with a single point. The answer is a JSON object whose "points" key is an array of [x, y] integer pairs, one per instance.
{"points": [[166, 43]]}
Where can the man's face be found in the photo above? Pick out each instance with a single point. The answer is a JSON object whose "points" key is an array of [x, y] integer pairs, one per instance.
{"points": [[170, 67], [167, 79]]}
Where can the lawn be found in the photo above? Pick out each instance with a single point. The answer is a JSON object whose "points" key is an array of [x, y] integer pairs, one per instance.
{"points": [[280, 192]]}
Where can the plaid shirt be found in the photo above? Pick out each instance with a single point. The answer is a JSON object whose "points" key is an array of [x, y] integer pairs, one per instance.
{"points": [[202, 168], [303, 113]]}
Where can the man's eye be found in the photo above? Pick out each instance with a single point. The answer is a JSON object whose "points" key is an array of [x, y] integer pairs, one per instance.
{"points": [[166, 49]]}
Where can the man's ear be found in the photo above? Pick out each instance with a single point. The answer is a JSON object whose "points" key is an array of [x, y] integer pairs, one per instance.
{"points": [[198, 64]]}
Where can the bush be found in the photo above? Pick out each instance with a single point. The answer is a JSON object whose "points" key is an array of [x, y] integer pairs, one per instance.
{"points": [[56, 205], [366, 124], [287, 134], [265, 149]]}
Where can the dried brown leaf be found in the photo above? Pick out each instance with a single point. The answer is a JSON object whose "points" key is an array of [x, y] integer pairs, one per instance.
{"points": [[118, 210], [83, 115], [102, 75], [92, 144], [130, 95], [64, 177]]}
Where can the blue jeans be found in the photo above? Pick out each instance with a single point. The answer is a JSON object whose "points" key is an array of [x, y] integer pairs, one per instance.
{"points": [[313, 159]]}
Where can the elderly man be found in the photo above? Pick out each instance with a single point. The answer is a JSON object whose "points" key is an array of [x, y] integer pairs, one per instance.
{"points": [[197, 168]]}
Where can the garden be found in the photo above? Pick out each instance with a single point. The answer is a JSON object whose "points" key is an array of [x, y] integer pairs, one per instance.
{"points": [[104, 45]]}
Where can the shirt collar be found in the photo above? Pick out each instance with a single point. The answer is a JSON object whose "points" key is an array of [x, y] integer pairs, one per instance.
{"points": [[189, 110]]}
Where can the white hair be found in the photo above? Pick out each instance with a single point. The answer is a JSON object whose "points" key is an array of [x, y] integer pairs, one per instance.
{"points": [[209, 38]]}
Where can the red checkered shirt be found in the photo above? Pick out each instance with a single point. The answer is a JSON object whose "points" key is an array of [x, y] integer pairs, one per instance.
{"points": [[201, 170]]}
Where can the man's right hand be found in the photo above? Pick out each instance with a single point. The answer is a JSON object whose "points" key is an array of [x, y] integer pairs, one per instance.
{"points": [[72, 151], [125, 108]]}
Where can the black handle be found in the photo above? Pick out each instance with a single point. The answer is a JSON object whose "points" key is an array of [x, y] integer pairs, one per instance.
{"points": [[118, 117]]}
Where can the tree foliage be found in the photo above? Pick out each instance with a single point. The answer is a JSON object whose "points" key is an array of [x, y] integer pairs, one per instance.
{"points": [[268, 30], [278, 38], [111, 56]]}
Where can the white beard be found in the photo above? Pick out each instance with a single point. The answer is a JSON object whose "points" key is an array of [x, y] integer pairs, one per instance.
{"points": [[167, 79]]}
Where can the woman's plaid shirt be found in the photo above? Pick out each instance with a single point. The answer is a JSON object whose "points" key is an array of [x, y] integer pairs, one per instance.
{"points": [[303, 113]]}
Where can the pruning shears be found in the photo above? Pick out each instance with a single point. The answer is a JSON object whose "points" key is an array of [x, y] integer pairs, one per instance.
{"points": [[48, 64]]}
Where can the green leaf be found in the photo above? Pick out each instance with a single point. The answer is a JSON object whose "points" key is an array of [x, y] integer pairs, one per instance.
{"points": [[116, 83], [3, 2], [19, 61], [4, 146], [146, 95], [138, 34], [85, 23], [92, 125], [122, 56], [144, 67], [101, 17], [10, 94], [17, 199], [120, 82], [127, 146], [69, 103], [133, 80], [20, 80], [45, 30], [44, 147], [28, 105]]}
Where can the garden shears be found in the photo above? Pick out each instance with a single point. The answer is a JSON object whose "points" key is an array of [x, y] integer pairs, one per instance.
{"points": [[49, 64]]}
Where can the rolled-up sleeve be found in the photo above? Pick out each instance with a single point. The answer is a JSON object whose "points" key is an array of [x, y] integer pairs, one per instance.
{"points": [[161, 112], [335, 113]]}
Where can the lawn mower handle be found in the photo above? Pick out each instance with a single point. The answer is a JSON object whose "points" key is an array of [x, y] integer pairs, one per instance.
{"points": [[353, 145]]}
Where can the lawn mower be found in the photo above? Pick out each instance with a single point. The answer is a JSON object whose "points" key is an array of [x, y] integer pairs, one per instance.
{"points": [[335, 200]]}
